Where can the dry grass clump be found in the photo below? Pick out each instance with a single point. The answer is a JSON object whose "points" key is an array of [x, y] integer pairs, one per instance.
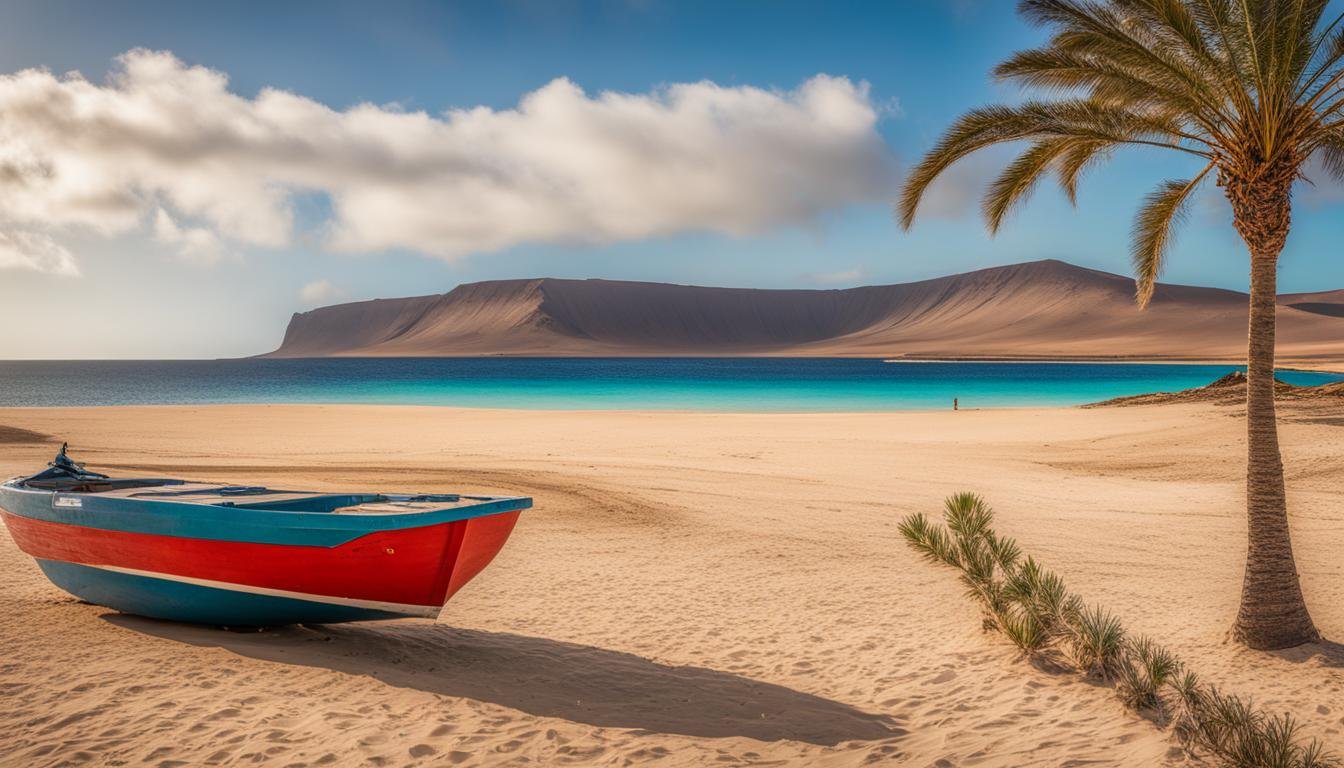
{"points": [[1030, 606]]}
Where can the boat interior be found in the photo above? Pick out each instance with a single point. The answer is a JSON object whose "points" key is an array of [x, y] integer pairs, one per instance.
{"points": [[65, 476], [257, 497]]}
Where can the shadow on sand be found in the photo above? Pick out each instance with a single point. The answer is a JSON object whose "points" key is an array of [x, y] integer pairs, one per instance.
{"points": [[548, 678], [1326, 653]]}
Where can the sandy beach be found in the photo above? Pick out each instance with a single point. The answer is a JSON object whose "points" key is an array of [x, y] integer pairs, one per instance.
{"points": [[690, 588]]}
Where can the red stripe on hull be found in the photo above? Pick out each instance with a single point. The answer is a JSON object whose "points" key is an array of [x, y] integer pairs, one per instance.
{"points": [[416, 566]]}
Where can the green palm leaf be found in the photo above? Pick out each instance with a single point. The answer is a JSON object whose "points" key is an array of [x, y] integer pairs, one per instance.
{"points": [[1154, 228]]}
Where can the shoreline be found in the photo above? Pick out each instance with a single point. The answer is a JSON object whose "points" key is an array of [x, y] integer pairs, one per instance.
{"points": [[1338, 367], [540, 412], [707, 395]]}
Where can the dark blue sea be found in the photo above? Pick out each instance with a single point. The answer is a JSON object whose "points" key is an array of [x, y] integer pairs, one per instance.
{"points": [[699, 384]]}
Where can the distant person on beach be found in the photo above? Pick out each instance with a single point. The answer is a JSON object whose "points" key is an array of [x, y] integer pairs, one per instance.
{"points": [[954, 403]]}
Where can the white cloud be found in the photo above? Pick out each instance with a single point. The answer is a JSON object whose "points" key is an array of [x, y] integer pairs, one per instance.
{"points": [[319, 292], [563, 165], [192, 243], [35, 252]]}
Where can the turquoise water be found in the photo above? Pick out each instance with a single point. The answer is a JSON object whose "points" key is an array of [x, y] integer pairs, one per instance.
{"points": [[717, 384]]}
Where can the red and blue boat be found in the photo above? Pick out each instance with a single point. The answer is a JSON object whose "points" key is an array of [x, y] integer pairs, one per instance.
{"points": [[241, 555]]}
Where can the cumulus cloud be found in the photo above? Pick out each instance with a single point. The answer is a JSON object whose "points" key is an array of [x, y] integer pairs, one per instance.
{"points": [[319, 292], [35, 252], [192, 243], [161, 142]]}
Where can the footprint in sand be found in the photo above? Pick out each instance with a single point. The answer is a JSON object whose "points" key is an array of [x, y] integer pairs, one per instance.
{"points": [[373, 740], [882, 754], [581, 753], [422, 750], [945, 676], [512, 745]]}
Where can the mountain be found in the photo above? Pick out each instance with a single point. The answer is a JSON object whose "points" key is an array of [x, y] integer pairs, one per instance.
{"points": [[1041, 309]]}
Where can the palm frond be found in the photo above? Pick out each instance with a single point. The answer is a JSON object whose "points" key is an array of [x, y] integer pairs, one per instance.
{"points": [[1103, 30], [1096, 642], [1326, 59], [1154, 228], [1005, 550], [972, 132], [1331, 155], [1081, 119], [1076, 161], [1066, 69], [967, 515], [1024, 630], [1015, 183], [929, 539], [1144, 672]]}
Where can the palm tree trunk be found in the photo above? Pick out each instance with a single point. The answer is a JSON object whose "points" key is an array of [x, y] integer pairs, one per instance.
{"points": [[1272, 613]]}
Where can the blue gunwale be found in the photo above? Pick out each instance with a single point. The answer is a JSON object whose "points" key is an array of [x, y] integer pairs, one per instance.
{"points": [[196, 520]]}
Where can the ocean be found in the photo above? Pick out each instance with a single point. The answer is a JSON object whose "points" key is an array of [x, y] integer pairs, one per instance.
{"points": [[697, 384]]}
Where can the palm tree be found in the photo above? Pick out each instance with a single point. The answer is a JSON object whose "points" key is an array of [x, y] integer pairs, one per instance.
{"points": [[1252, 88]]}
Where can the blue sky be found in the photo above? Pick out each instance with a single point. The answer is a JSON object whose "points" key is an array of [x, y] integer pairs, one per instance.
{"points": [[924, 61]]}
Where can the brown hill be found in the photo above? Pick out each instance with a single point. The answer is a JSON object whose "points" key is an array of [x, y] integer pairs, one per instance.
{"points": [[1324, 303], [1231, 390], [1042, 309]]}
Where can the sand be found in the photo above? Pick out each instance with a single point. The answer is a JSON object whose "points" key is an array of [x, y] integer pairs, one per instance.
{"points": [[689, 589], [1038, 310]]}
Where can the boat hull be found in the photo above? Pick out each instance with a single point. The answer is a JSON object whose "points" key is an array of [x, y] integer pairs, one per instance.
{"points": [[255, 576], [166, 597]]}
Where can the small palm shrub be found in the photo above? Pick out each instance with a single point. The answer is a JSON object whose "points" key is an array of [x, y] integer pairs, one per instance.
{"points": [[929, 540], [1096, 642], [1040, 595], [1024, 630], [1145, 670], [1190, 703], [1235, 731], [967, 544], [1033, 609]]}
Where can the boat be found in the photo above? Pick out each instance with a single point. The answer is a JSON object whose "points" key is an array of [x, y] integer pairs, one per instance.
{"points": [[250, 556]]}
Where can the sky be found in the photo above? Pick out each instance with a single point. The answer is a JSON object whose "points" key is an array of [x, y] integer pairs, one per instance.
{"points": [[177, 179]]}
